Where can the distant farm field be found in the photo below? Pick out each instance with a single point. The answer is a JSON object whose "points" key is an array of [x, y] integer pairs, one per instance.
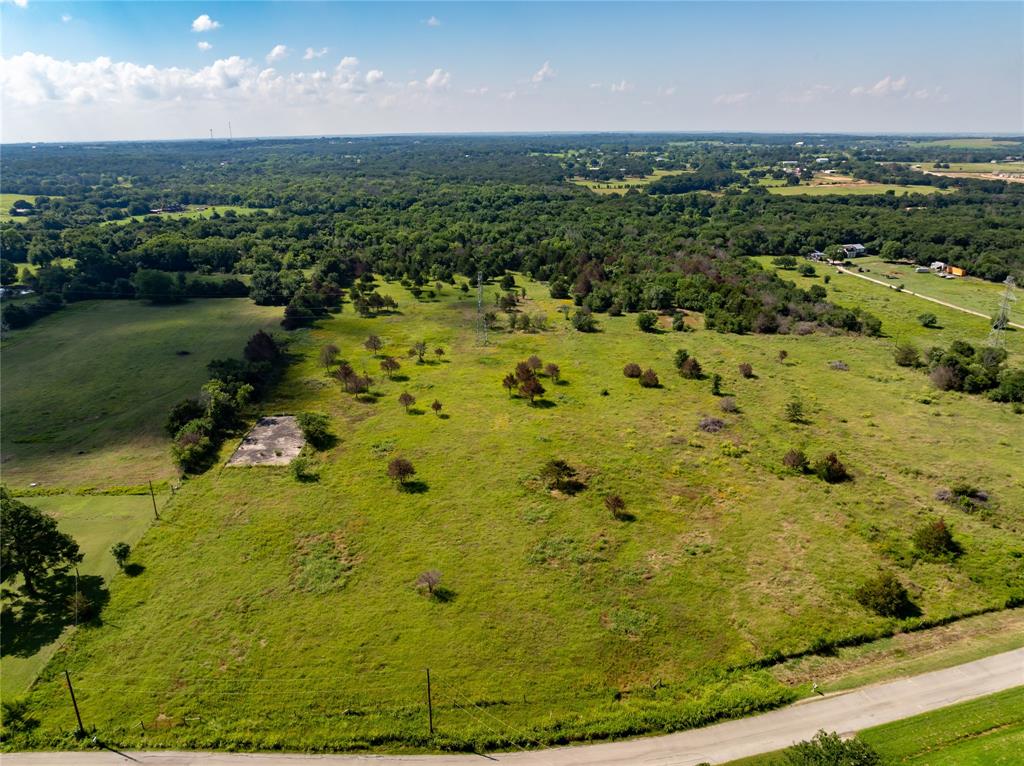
{"points": [[96, 522], [86, 390], [194, 212], [852, 188], [281, 614], [969, 143], [622, 186]]}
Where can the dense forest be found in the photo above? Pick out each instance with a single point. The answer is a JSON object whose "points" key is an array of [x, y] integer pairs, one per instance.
{"points": [[308, 216]]}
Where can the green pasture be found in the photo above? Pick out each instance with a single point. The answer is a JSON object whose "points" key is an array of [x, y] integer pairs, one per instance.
{"points": [[96, 522], [968, 143], [7, 200], [86, 390], [621, 187], [865, 188], [192, 213], [988, 731], [274, 613]]}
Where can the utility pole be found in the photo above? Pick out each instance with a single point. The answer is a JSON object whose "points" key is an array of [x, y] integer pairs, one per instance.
{"points": [[156, 513], [430, 705], [81, 728]]}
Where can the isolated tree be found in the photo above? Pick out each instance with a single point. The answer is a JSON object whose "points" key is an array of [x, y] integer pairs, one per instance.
{"points": [[616, 506], [906, 355], [794, 411], [389, 365], [329, 355], [928, 319], [783, 354], [400, 470], [747, 370], [632, 370], [534, 362], [436, 406], [510, 383], [552, 371], [407, 400], [418, 350], [647, 321], [429, 580], [531, 388], [31, 545], [649, 378], [884, 595], [439, 353], [120, 552], [935, 540], [373, 344], [716, 385]]}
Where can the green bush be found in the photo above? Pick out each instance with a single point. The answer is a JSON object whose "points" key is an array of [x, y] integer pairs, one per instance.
{"points": [[935, 540], [647, 321], [831, 470], [832, 750], [886, 596], [316, 428]]}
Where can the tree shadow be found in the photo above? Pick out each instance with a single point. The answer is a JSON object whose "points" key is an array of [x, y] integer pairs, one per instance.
{"points": [[415, 411], [367, 398], [444, 416], [543, 404], [443, 595], [625, 516], [561, 382], [399, 378], [30, 624], [415, 487], [133, 570]]}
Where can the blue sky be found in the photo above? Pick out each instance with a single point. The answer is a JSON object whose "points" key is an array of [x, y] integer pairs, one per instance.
{"points": [[137, 70]]}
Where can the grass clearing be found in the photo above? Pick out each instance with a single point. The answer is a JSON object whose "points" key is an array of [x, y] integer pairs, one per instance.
{"points": [[306, 630], [621, 187], [96, 522], [969, 143], [195, 212], [87, 389], [854, 188]]}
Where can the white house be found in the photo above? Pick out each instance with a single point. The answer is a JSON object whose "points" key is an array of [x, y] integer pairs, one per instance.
{"points": [[853, 250]]}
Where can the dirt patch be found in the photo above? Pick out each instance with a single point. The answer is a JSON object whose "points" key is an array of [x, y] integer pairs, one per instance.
{"points": [[272, 441]]}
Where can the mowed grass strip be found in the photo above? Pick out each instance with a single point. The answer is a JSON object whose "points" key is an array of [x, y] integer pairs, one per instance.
{"points": [[86, 391], [274, 613], [96, 523]]}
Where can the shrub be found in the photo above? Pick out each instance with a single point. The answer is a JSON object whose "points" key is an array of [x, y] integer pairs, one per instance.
{"points": [[316, 428], [928, 319], [679, 323], [681, 356], [534, 363], [716, 385], [885, 595], [181, 413], [557, 474], [552, 371], [906, 355], [531, 388], [839, 365], [407, 400], [304, 468], [400, 470], [120, 552], [935, 540], [429, 581], [647, 321], [711, 425], [728, 404], [584, 321], [329, 355], [436, 406], [794, 411], [690, 369], [616, 506], [649, 379], [795, 460], [945, 378], [632, 370], [783, 355], [746, 370], [832, 750], [831, 470]]}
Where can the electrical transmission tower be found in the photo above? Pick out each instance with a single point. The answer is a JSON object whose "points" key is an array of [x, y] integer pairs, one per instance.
{"points": [[1002, 318], [481, 321]]}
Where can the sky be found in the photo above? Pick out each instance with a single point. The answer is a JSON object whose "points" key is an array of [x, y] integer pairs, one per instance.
{"points": [[87, 71]]}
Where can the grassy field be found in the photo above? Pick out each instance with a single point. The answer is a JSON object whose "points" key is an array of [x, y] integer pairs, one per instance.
{"points": [[193, 213], [969, 143], [865, 188], [988, 731], [96, 522], [7, 199], [970, 292], [86, 390], [305, 630], [621, 187], [900, 311]]}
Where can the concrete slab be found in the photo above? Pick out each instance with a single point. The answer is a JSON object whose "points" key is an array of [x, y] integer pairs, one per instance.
{"points": [[273, 440]]}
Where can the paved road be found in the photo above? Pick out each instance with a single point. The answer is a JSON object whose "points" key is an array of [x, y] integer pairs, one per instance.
{"points": [[845, 713], [891, 286]]}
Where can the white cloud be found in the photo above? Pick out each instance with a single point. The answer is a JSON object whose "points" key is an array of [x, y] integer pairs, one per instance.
{"points": [[887, 86], [374, 75], [621, 87], [203, 23], [433, 21], [66, 18], [483, 90], [348, 62], [203, 45], [311, 54], [808, 95], [669, 91], [277, 53], [19, 3], [544, 73], [730, 99], [438, 80]]}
